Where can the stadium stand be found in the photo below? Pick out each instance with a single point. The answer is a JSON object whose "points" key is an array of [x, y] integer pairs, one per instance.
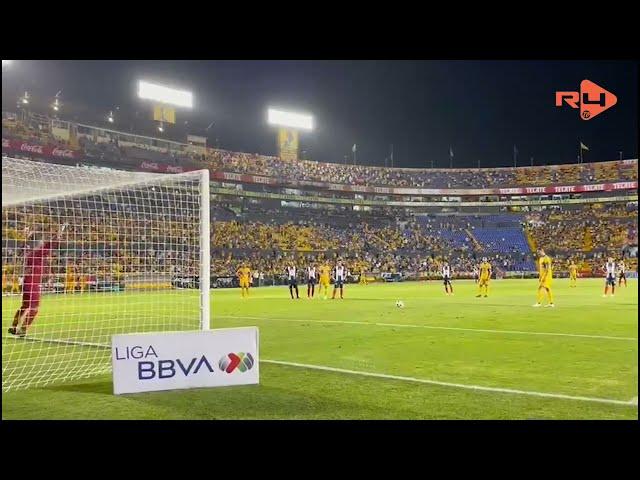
{"points": [[387, 238]]}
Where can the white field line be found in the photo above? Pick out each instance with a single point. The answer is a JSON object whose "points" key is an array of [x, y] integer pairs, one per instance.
{"points": [[609, 401], [434, 327]]}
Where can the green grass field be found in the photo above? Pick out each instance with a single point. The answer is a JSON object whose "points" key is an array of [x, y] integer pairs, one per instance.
{"points": [[440, 357]]}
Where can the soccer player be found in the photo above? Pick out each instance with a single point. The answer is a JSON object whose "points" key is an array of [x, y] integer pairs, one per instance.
{"points": [[446, 277], [484, 278], [292, 272], [573, 274], [475, 273], [363, 276], [545, 275], [325, 279], [610, 277], [70, 279], [339, 277], [622, 272], [311, 280], [34, 264], [244, 277]]}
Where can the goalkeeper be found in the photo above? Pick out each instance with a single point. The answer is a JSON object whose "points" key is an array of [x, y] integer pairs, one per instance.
{"points": [[34, 262]]}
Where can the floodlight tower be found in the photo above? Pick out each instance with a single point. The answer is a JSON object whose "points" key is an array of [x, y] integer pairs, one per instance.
{"points": [[290, 124], [165, 100]]}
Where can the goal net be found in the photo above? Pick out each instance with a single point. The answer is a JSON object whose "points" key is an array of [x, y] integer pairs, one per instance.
{"points": [[91, 252]]}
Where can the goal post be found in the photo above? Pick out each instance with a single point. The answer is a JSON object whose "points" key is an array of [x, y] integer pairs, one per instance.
{"points": [[205, 252], [90, 252]]}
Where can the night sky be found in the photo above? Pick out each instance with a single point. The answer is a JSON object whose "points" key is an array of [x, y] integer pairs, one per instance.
{"points": [[480, 108]]}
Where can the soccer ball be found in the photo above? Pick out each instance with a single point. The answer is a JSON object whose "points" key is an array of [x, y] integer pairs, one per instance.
{"points": [[400, 304]]}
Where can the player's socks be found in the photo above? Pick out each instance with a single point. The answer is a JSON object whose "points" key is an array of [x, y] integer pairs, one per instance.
{"points": [[17, 317], [550, 294]]}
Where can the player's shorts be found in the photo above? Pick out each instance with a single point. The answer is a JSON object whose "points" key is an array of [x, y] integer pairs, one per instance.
{"points": [[311, 281], [325, 281], [339, 282], [573, 276], [483, 280], [546, 284], [611, 280], [293, 282], [622, 276], [446, 280], [244, 283]]}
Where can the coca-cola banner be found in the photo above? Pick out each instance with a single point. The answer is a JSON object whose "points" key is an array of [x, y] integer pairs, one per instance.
{"points": [[148, 166], [244, 178], [33, 149]]}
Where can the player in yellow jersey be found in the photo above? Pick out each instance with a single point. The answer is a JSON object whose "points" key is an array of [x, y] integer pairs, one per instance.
{"points": [[573, 274], [484, 278], [244, 276], [70, 279], [5, 283], [545, 275], [15, 283], [325, 279], [363, 276]]}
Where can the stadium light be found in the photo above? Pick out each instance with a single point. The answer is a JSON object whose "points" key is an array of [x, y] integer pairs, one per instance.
{"points": [[110, 117], [56, 102], [24, 99], [290, 119], [162, 94]]}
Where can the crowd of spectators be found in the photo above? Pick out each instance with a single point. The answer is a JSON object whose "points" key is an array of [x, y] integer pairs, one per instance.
{"points": [[99, 241], [588, 234], [307, 170]]}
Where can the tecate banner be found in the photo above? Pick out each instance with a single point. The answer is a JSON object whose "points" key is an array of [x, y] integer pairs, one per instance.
{"points": [[149, 362]]}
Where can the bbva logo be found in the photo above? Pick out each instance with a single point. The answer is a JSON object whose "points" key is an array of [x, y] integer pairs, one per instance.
{"points": [[232, 361], [170, 368]]}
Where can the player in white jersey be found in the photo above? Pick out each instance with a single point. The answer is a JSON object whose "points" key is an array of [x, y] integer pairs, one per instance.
{"points": [[610, 277], [312, 278], [339, 277], [292, 277], [446, 277], [476, 273], [622, 274]]}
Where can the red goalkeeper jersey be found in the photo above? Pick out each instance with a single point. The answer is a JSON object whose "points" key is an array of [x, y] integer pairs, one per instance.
{"points": [[34, 263]]}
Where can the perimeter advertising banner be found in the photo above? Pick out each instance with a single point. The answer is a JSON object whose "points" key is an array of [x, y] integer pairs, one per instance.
{"points": [[35, 150], [597, 187], [148, 362], [288, 144]]}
